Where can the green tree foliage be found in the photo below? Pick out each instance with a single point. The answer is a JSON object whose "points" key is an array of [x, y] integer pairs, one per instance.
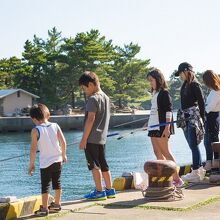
{"points": [[50, 68]]}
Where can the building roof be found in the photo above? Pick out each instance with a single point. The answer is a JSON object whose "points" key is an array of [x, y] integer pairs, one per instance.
{"points": [[7, 92]]}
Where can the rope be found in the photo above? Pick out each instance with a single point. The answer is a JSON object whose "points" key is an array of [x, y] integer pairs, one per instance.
{"points": [[163, 193]]}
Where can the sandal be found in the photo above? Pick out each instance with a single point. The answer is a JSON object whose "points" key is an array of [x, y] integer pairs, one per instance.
{"points": [[41, 212], [54, 207]]}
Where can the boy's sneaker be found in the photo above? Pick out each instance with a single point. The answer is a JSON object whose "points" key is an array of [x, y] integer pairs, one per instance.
{"points": [[41, 212], [54, 207], [96, 195], [110, 193]]}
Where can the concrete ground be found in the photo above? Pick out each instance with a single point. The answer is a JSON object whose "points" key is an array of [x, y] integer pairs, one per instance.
{"points": [[201, 202]]}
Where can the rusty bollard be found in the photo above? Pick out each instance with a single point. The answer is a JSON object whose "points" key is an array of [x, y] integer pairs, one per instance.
{"points": [[215, 174], [216, 148], [160, 180]]}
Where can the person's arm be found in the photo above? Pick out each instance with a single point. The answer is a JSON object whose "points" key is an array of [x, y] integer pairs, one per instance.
{"points": [[88, 127], [33, 151], [62, 142], [91, 109], [199, 97], [167, 107]]}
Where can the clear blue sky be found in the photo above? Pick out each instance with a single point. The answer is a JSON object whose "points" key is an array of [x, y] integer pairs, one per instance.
{"points": [[168, 31]]}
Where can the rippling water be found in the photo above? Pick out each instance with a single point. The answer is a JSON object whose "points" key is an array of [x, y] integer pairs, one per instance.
{"points": [[127, 154]]}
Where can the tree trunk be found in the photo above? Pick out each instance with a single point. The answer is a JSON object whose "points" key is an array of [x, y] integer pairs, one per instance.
{"points": [[73, 97], [120, 103]]}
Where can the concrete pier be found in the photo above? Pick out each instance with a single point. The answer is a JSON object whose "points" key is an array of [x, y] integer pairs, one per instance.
{"points": [[201, 202], [71, 122]]}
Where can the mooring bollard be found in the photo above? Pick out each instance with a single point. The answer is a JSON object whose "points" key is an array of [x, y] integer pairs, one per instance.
{"points": [[216, 148], [215, 174], [160, 180]]}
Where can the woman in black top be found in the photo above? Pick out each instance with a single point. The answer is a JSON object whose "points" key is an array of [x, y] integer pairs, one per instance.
{"points": [[193, 110], [161, 112]]}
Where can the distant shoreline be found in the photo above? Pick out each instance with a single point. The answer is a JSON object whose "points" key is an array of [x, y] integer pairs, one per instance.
{"points": [[72, 122]]}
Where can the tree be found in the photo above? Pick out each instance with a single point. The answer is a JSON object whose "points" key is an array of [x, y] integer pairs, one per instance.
{"points": [[87, 51], [129, 74], [174, 89]]}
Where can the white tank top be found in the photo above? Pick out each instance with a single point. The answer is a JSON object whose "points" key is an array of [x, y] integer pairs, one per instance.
{"points": [[48, 144]]}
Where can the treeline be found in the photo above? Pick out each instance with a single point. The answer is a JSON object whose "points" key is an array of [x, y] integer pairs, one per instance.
{"points": [[50, 68]]}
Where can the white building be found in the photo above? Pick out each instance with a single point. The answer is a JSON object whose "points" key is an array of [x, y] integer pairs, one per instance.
{"points": [[13, 100]]}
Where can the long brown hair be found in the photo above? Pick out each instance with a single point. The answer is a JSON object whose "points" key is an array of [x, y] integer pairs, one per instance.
{"points": [[211, 80], [159, 77], [190, 76]]}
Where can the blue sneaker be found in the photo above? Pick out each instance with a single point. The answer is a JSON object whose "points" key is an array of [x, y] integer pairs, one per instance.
{"points": [[95, 195], [110, 193]]}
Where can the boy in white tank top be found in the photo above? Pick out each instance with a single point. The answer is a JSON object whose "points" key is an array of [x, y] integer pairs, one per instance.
{"points": [[51, 144]]}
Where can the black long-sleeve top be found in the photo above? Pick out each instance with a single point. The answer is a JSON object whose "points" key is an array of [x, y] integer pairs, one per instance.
{"points": [[191, 95], [164, 103]]}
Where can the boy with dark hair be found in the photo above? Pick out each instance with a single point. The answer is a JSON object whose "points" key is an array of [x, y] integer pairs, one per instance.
{"points": [[95, 134], [52, 149]]}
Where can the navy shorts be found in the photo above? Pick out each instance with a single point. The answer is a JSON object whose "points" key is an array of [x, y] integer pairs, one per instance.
{"points": [[95, 156]]}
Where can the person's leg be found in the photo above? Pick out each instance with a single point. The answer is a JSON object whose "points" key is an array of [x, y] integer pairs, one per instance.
{"points": [[212, 128], [45, 185], [190, 134], [45, 198], [207, 143], [105, 168], [58, 193], [56, 181], [92, 157], [164, 147], [214, 137], [97, 177], [108, 179], [156, 147]]}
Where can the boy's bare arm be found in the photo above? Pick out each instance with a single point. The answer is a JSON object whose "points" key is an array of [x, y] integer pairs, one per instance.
{"points": [[33, 151], [62, 142], [88, 127]]}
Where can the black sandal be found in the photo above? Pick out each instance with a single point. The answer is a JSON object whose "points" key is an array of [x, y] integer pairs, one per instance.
{"points": [[41, 212], [54, 207]]}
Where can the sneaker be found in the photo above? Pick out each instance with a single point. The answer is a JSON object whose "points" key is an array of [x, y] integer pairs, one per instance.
{"points": [[110, 193], [95, 195], [208, 165], [195, 176], [41, 212], [179, 183], [54, 207]]}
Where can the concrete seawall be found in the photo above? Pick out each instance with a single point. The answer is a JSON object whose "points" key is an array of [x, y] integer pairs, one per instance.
{"points": [[8, 124]]}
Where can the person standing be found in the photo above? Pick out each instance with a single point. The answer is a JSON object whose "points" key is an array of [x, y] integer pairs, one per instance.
{"points": [[191, 118], [95, 134], [161, 112], [212, 109]]}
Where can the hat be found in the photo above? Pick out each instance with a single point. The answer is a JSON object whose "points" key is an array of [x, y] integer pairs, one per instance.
{"points": [[183, 67]]}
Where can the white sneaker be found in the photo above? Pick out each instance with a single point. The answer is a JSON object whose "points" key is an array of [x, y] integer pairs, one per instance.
{"points": [[208, 165], [195, 176]]}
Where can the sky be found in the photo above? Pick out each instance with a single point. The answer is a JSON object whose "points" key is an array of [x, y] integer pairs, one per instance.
{"points": [[168, 31]]}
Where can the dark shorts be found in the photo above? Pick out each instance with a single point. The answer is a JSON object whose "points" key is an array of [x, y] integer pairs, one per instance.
{"points": [[51, 173], [158, 133], [95, 156]]}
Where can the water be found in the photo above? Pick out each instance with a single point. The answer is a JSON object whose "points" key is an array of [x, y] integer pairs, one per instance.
{"points": [[127, 154]]}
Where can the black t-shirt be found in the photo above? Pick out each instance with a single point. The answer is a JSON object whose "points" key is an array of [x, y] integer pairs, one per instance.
{"points": [[191, 95]]}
